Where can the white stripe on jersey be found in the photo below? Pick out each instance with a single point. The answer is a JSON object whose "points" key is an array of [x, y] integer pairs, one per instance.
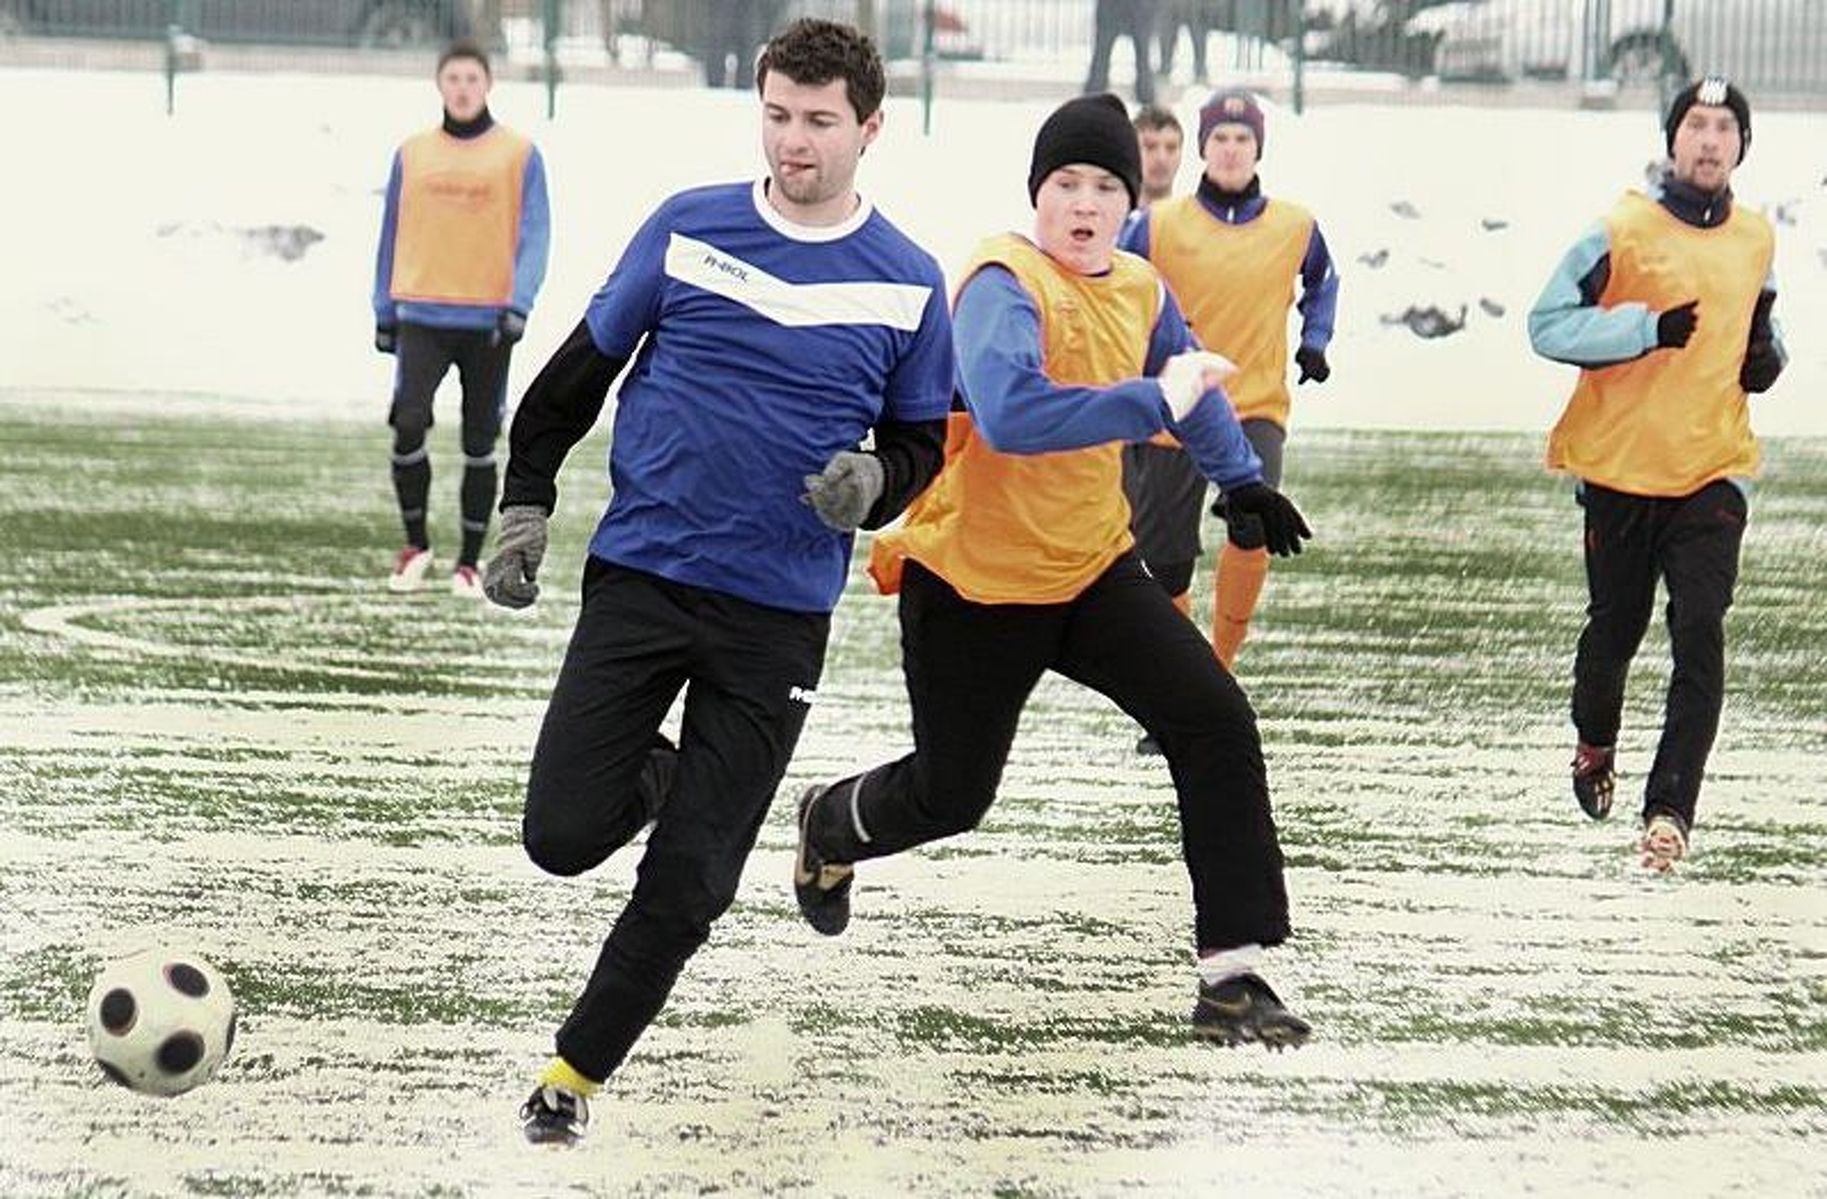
{"points": [[897, 305]]}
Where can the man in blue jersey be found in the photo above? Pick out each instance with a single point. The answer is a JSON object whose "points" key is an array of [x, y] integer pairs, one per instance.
{"points": [[772, 326]]}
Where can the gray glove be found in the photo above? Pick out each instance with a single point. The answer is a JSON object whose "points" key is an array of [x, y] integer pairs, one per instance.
{"points": [[846, 490], [510, 578]]}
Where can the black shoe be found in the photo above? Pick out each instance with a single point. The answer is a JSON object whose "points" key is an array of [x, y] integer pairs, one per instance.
{"points": [[554, 1116], [1148, 745], [823, 890], [655, 784], [1594, 779], [1242, 1009]]}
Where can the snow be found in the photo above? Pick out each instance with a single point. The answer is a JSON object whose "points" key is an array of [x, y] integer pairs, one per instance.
{"points": [[1507, 1005], [180, 256]]}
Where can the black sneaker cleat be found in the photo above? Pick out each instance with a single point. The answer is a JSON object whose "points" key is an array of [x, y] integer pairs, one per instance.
{"points": [[1148, 746], [554, 1116], [654, 787], [1594, 779], [822, 889], [1242, 1009]]}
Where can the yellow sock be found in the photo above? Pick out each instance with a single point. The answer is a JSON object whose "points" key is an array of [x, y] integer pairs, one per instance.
{"points": [[1239, 585], [561, 1073]]}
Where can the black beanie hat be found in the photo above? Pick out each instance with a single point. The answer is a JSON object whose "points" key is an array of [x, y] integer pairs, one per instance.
{"points": [[1093, 129], [1711, 92]]}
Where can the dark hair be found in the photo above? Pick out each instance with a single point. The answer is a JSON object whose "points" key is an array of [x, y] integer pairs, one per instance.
{"points": [[814, 52], [1154, 117], [464, 48]]}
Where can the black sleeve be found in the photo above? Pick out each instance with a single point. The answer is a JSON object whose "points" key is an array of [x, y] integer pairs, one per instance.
{"points": [[1592, 284], [1762, 332], [555, 414], [911, 453]]}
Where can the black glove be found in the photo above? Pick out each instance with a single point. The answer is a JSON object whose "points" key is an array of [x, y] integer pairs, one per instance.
{"points": [[1762, 365], [386, 338], [510, 327], [1313, 365], [1676, 326], [1283, 527]]}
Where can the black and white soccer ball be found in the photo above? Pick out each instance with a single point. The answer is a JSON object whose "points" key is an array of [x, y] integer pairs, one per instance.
{"points": [[160, 1021]]}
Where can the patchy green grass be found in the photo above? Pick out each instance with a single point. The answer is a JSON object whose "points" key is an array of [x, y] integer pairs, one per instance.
{"points": [[218, 727]]}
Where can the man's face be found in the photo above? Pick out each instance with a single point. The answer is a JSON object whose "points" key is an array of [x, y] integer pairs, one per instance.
{"points": [[1230, 156], [1160, 161], [1707, 142], [464, 85], [1078, 212], [813, 141]]}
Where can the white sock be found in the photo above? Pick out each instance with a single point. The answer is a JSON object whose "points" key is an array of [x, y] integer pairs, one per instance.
{"points": [[1215, 967], [856, 811]]}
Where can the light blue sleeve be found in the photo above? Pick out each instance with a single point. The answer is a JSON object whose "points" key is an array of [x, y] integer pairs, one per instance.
{"points": [[534, 247], [1016, 407], [385, 312], [1568, 325]]}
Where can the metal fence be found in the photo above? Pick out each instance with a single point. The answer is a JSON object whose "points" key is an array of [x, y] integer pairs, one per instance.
{"points": [[1323, 51]]}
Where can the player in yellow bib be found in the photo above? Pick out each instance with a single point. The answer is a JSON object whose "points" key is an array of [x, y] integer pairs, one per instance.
{"points": [[1018, 560], [465, 236], [1665, 305], [1233, 257]]}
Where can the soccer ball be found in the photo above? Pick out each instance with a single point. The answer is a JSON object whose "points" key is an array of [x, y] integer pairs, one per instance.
{"points": [[160, 1021]]}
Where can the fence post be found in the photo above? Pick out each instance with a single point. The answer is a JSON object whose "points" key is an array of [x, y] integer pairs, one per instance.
{"points": [[174, 29], [1596, 41], [1300, 59], [927, 19], [551, 39], [1668, 85]]}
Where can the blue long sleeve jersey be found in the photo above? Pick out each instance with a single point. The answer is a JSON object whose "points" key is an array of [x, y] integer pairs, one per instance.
{"points": [[760, 349], [1019, 410]]}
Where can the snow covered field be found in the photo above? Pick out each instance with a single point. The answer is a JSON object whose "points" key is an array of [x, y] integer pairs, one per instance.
{"points": [[144, 252], [217, 725]]}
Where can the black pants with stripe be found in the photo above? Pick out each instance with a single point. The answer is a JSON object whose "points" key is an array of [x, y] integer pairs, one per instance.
{"points": [[1691, 544], [1166, 495], [600, 772], [425, 355], [970, 668]]}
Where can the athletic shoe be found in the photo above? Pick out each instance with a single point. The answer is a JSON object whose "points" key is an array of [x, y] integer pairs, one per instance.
{"points": [[409, 567], [554, 1116], [1664, 840], [1593, 779], [466, 581], [1148, 746], [822, 889], [654, 787], [1242, 1009]]}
